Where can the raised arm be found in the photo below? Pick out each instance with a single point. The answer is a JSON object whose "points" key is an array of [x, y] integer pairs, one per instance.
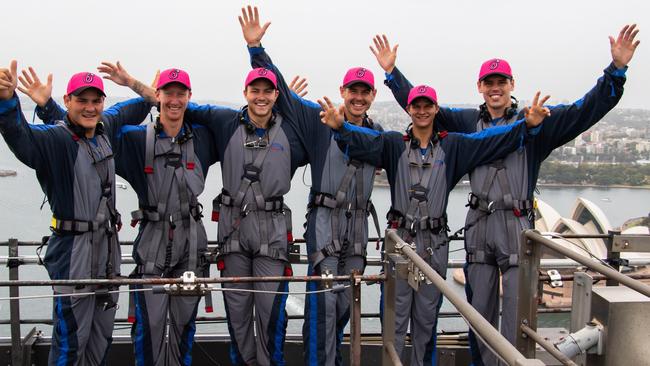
{"points": [[568, 121], [448, 119], [305, 113], [118, 74], [467, 151], [24, 140]]}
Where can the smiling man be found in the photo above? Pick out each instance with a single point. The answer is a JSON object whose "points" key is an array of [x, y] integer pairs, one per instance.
{"points": [[74, 165]]}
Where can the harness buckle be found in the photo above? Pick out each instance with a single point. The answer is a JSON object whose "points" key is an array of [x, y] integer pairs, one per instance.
{"points": [[260, 143], [472, 201], [419, 193], [252, 173]]}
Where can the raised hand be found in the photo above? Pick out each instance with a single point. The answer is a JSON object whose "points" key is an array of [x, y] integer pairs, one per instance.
{"points": [[8, 80], [330, 115], [536, 113], [624, 46], [250, 26], [32, 86], [384, 54], [299, 86], [116, 73]]}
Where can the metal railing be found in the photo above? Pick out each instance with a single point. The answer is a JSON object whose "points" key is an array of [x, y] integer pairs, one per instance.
{"points": [[530, 290], [401, 261], [398, 255]]}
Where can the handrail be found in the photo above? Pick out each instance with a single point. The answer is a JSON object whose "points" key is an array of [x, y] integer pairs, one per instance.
{"points": [[482, 327], [588, 262], [548, 346], [178, 281], [372, 261]]}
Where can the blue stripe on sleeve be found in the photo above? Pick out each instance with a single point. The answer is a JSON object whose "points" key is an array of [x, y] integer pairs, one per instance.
{"points": [[255, 50], [112, 111], [8, 105], [303, 101], [493, 131], [354, 128], [620, 72]]}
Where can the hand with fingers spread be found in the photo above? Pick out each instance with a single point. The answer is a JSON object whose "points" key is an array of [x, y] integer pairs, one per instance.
{"points": [[384, 54], [32, 86], [536, 113], [250, 26], [332, 116], [624, 46], [299, 86], [116, 73], [8, 81]]}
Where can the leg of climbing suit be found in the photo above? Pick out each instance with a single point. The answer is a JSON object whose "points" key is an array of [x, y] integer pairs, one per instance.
{"points": [[82, 330], [270, 313], [403, 305], [150, 327], [482, 288], [319, 329], [182, 313], [101, 334], [239, 309], [510, 284], [343, 300], [424, 316]]}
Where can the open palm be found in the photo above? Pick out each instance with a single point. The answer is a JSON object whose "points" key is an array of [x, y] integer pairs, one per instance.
{"points": [[250, 26], [31, 85]]}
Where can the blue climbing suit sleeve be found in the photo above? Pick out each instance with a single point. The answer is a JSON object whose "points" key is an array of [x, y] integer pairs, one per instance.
{"points": [[568, 121]]}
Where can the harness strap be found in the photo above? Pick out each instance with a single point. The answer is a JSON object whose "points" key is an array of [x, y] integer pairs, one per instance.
{"points": [[420, 172], [159, 195], [106, 216], [263, 209]]}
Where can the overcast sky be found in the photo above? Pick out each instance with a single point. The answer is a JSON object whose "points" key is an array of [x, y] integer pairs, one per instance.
{"points": [[559, 47]]}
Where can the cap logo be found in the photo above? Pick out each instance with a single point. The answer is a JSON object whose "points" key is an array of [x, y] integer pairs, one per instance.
{"points": [[174, 74], [89, 78], [361, 73], [494, 64], [262, 72], [422, 89]]}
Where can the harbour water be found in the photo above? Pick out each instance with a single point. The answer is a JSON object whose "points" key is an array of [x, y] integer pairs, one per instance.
{"points": [[20, 217]]}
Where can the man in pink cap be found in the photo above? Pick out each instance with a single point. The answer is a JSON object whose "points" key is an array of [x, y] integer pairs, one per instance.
{"points": [[339, 199], [502, 202], [422, 168], [74, 164]]}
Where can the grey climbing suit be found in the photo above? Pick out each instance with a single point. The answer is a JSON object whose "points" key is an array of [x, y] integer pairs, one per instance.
{"points": [[171, 240], [418, 214], [253, 226], [499, 211]]}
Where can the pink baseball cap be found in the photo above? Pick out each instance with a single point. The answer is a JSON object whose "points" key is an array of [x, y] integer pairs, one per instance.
{"points": [[84, 80], [174, 76], [359, 75], [495, 66], [422, 91], [261, 73]]}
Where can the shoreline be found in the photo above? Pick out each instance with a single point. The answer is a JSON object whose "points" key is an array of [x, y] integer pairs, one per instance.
{"points": [[381, 183]]}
